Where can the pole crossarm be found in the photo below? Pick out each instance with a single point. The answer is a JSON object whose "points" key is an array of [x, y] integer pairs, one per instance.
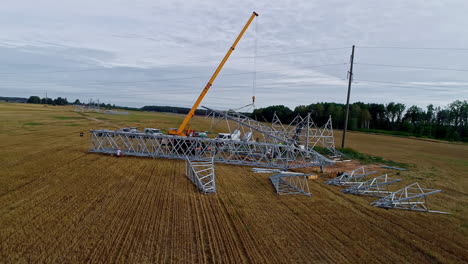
{"points": [[291, 183], [377, 186], [412, 197], [202, 174], [350, 178]]}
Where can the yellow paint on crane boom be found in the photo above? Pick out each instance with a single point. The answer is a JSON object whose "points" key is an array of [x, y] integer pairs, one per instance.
{"points": [[180, 130]]}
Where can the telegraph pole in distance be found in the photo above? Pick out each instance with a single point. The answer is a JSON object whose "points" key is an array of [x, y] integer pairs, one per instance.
{"points": [[350, 79]]}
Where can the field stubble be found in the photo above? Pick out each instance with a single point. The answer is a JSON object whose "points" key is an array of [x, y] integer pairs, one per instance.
{"points": [[59, 203]]}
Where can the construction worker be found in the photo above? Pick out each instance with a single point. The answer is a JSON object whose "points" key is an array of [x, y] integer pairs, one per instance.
{"points": [[119, 152]]}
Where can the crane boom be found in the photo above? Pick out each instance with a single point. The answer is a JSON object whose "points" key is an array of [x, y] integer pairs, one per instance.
{"points": [[188, 117]]}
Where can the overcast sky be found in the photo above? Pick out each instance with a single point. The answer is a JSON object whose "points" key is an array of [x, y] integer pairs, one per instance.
{"points": [[148, 52]]}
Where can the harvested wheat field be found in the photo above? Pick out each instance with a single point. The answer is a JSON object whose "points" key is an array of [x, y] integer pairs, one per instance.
{"points": [[61, 204]]}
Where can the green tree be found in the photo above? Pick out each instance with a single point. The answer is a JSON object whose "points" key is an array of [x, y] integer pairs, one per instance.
{"points": [[34, 100]]}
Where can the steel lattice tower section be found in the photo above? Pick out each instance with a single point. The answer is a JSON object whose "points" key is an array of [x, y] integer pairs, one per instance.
{"points": [[258, 154], [412, 197], [202, 174], [290, 183], [377, 186], [350, 178]]}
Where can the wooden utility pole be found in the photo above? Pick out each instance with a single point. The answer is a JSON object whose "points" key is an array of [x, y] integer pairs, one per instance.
{"points": [[350, 80]]}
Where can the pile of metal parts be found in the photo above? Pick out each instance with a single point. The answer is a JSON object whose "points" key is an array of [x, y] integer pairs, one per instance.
{"points": [[377, 186], [412, 197], [87, 108], [275, 151], [290, 183], [202, 174], [350, 178], [264, 170], [112, 112]]}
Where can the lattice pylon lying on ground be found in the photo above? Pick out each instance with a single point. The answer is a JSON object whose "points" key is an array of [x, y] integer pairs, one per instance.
{"points": [[258, 154], [412, 197], [350, 178], [202, 174], [377, 186], [290, 183]]}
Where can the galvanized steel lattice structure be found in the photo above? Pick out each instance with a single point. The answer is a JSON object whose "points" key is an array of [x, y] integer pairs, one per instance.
{"points": [[258, 154], [350, 178], [377, 186], [290, 183], [412, 197], [202, 174], [302, 131]]}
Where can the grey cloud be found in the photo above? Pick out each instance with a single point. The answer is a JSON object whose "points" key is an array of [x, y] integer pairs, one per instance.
{"points": [[130, 42]]}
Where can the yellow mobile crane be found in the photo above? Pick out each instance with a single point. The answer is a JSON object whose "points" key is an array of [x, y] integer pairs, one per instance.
{"points": [[181, 130]]}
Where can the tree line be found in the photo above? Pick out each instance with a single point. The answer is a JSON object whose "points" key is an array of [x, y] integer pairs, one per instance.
{"points": [[50, 101], [172, 109], [448, 123], [64, 101]]}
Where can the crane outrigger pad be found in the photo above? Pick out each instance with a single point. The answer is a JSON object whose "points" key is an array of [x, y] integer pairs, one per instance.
{"points": [[377, 186], [412, 197], [290, 183], [202, 174], [350, 178], [257, 154]]}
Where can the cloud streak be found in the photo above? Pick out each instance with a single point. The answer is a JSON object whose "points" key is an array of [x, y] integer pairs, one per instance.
{"points": [[131, 44]]}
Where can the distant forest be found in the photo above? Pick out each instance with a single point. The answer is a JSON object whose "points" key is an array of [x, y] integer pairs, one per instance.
{"points": [[447, 123], [172, 109]]}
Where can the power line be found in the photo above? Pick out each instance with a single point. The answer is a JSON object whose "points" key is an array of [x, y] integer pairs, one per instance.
{"points": [[415, 84], [415, 88], [301, 52], [411, 67], [410, 48], [198, 77], [60, 71], [120, 67]]}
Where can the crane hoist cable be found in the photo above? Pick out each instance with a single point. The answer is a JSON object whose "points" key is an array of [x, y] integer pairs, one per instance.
{"points": [[254, 81]]}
